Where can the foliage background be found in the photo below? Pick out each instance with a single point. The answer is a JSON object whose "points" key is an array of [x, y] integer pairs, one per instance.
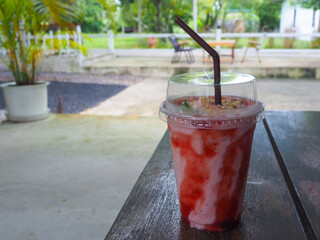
{"points": [[157, 16]]}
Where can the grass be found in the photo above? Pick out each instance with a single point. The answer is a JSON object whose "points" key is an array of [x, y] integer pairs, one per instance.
{"points": [[132, 43], [96, 43], [121, 43]]}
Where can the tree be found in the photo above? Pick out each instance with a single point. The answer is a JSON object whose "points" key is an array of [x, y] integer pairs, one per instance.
{"points": [[269, 13], [96, 16], [19, 18], [128, 13], [173, 9], [157, 15], [314, 4], [91, 20], [212, 11]]}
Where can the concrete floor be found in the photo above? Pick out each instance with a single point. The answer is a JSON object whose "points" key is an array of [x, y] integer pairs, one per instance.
{"points": [[67, 177], [289, 94], [143, 98]]}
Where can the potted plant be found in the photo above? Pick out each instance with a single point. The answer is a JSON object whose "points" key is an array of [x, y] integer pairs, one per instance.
{"points": [[23, 25], [152, 42]]}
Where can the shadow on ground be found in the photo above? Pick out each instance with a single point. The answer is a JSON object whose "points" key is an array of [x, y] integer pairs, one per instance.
{"points": [[76, 97]]}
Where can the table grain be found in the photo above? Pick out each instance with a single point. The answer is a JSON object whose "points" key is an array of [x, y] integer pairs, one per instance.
{"points": [[269, 210], [296, 137]]}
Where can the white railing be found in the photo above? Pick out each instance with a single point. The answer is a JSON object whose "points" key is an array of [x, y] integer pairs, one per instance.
{"points": [[111, 36], [76, 37]]}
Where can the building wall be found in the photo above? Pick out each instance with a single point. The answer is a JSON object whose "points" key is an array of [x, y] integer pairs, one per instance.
{"points": [[303, 22]]}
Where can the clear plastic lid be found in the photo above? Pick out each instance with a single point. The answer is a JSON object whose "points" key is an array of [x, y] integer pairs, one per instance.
{"points": [[190, 101]]}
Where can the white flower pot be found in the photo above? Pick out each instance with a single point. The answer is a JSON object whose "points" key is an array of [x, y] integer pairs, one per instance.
{"points": [[26, 102]]}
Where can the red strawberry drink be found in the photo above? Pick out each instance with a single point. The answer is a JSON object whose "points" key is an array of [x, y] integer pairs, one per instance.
{"points": [[211, 147]]}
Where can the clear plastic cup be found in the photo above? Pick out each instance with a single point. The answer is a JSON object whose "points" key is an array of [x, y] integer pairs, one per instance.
{"points": [[211, 145]]}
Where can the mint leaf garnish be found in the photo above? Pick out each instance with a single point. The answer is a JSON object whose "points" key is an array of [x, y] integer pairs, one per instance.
{"points": [[186, 104]]}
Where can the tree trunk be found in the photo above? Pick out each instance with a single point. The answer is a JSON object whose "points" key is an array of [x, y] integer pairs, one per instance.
{"points": [[224, 18], [215, 19], [206, 24], [166, 24], [217, 12], [159, 27], [139, 17]]}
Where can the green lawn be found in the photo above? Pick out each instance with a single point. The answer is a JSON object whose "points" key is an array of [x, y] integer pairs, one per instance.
{"points": [[96, 43], [130, 43], [121, 43]]}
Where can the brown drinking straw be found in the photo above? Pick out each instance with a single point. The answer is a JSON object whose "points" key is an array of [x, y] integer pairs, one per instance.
{"points": [[213, 54]]}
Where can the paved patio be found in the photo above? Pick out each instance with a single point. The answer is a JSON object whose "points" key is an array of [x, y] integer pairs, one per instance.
{"points": [[283, 63], [67, 177]]}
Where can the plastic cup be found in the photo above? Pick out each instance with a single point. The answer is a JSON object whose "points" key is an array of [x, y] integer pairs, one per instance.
{"points": [[211, 145]]}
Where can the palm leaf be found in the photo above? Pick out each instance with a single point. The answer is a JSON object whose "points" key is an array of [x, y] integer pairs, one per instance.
{"points": [[110, 6], [63, 13]]}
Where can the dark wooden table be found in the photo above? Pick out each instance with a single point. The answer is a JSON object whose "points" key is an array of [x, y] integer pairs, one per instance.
{"points": [[222, 43], [282, 198]]}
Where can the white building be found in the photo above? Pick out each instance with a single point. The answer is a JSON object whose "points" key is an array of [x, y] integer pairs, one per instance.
{"points": [[298, 19]]}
